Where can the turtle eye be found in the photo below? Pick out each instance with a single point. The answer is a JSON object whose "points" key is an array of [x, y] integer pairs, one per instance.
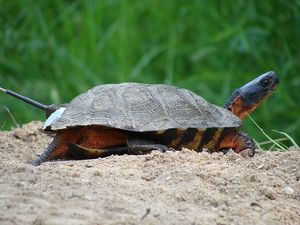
{"points": [[266, 82]]}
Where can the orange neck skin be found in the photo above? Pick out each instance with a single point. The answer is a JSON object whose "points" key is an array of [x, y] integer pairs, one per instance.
{"points": [[237, 108], [241, 109]]}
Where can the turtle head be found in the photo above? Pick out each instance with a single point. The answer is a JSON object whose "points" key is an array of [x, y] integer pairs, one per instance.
{"points": [[246, 99]]}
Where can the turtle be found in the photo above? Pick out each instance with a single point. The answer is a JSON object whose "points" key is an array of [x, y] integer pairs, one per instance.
{"points": [[137, 118]]}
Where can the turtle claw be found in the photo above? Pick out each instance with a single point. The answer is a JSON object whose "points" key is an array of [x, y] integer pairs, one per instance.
{"points": [[248, 152], [225, 150]]}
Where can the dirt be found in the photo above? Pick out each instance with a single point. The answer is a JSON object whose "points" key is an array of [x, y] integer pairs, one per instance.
{"points": [[181, 187]]}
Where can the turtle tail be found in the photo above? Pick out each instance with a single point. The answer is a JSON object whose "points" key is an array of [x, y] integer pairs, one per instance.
{"points": [[46, 154]]}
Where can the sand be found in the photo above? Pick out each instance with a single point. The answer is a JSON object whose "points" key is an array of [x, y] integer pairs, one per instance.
{"points": [[181, 187]]}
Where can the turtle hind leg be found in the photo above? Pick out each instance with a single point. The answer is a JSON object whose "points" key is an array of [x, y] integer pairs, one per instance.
{"points": [[57, 149], [48, 151], [139, 145], [80, 152]]}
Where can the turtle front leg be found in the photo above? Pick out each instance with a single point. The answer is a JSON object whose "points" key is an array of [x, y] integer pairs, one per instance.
{"points": [[246, 145], [240, 142]]}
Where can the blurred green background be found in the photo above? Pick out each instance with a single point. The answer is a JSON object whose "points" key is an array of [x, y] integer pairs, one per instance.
{"points": [[54, 50]]}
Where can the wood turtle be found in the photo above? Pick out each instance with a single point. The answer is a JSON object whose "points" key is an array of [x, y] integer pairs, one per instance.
{"points": [[135, 118]]}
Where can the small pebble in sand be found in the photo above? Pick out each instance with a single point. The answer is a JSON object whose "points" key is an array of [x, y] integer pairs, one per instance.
{"points": [[255, 204], [288, 190], [168, 178], [89, 197], [75, 175], [97, 174], [269, 193], [261, 166], [253, 178]]}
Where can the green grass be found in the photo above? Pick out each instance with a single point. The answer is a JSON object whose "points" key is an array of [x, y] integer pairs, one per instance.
{"points": [[54, 50], [275, 144]]}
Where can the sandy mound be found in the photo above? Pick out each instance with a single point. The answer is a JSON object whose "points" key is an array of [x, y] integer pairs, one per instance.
{"points": [[172, 188]]}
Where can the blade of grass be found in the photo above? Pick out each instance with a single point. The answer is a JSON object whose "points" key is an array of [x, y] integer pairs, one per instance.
{"points": [[258, 145], [269, 142], [267, 136], [3, 124], [12, 117], [288, 137]]}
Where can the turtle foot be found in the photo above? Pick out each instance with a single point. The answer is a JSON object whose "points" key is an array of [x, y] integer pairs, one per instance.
{"points": [[248, 152]]}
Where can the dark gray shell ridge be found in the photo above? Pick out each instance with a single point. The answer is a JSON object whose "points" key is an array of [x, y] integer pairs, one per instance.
{"points": [[143, 107]]}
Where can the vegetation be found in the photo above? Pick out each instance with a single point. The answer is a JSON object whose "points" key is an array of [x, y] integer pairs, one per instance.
{"points": [[54, 50]]}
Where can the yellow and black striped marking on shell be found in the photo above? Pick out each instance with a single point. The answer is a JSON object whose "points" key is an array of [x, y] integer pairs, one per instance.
{"points": [[191, 138]]}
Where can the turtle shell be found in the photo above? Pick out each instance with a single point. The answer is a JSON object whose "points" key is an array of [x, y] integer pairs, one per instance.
{"points": [[143, 107]]}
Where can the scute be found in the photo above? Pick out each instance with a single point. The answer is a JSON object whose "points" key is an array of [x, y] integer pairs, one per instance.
{"points": [[143, 107]]}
